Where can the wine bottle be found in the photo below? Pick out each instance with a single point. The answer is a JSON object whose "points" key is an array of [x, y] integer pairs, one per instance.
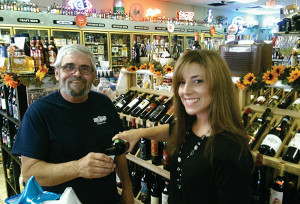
{"points": [[245, 117], [120, 97], [123, 102], [133, 126], [3, 102], [296, 105], [33, 48], [166, 157], [165, 193], [52, 53], [135, 180], [196, 45], [145, 192], [263, 98], [133, 103], [9, 101], [159, 111], [154, 152], [175, 52], [168, 117], [138, 109], [118, 147], [255, 130], [292, 153], [145, 146], [45, 51], [151, 107], [288, 99], [135, 51], [39, 53], [15, 105], [278, 186], [289, 196], [154, 199], [274, 138], [274, 100], [259, 185]]}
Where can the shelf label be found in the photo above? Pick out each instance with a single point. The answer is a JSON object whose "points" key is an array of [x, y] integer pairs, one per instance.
{"points": [[179, 29], [28, 20], [141, 27], [63, 22], [1, 18], [191, 30], [119, 26], [161, 28], [96, 24]]}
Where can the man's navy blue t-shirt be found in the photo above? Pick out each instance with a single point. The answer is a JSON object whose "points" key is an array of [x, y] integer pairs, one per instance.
{"points": [[56, 131]]}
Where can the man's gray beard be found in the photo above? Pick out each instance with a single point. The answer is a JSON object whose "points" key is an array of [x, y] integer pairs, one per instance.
{"points": [[67, 89]]}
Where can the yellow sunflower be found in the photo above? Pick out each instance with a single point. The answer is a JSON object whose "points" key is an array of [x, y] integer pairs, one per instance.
{"points": [[240, 85], [151, 67], [270, 77], [144, 66], [168, 69], [278, 69], [41, 72], [249, 79], [9, 81], [133, 68], [158, 73], [294, 75]]}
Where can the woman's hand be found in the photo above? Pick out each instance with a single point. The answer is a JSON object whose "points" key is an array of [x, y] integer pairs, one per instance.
{"points": [[131, 136]]}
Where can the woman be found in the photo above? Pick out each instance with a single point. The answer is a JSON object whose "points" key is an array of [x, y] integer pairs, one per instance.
{"points": [[210, 158]]}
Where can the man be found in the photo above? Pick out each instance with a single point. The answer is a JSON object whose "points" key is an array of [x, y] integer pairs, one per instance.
{"points": [[62, 136]]}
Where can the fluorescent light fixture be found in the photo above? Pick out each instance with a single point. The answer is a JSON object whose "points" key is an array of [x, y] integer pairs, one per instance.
{"points": [[245, 1]]}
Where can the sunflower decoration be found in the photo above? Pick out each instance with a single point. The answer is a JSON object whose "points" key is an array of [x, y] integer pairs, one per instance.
{"points": [[294, 79], [144, 66], [250, 82], [249, 79], [156, 68], [10, 81], [133, 68], [168, 69], [241, 85], [278, 69], [270, 77], [41, 72]]}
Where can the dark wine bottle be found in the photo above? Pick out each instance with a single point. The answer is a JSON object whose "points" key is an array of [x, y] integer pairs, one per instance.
{"points": [[278, 186], [139, 108], [120, 97], [159, 111], [145, 187], [133, 126], [125, 123], [133, 103], [145, 146], [168, 117], [118, 147], [123, 102], [274, 100], [166, 157], [135, 51], [196, 45], [259, 185], [165, 193], [135, 180], [154, 152], [9, 101], [151, 107], [154, 190], [245, 117], [288, 99], [274, 138], [3, 102], [292, 153], [261, 100], [255, 130]]}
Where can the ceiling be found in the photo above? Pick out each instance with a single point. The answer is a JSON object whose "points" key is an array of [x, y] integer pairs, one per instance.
{"points": [[257, 7]]}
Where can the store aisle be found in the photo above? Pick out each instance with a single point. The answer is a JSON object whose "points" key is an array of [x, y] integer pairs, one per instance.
{"points": [[2, 185]]}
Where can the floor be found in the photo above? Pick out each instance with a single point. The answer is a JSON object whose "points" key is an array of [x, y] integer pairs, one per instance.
{"points": [[3, 194]]}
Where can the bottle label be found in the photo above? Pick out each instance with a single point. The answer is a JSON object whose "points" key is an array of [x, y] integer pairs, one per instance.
{"points": [[295, 142], [275, 97], [154, 200], [261, 99], [143, 151], [144, 104], [272, 141], [276, 197], [166, 157], [3, 104], [164, 198], [253, 129], [144, 188], [134, 101], [154, 148]]}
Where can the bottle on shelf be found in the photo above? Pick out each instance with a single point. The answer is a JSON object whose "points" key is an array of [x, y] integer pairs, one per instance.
{"points": [[52, 53], [168, 117], [160, 110], [245, 117], [196, 45], [46, 53], [154, 199], [21, 63], [165, 193], [278, 186], [39, 53], [9, 101], [175, 52], [166, 157], [135, 180], [151, 107], [135, 51], [202, 41], [3, 102], [15, 105], [255, 130], [10, 53], [274, 138], [292, 153], [133, 126], [118, 147], [145, 146], [125, 123], [120, 97], [33, 48], [296, 105], [134, 103], [259, 185], [145, 188], [263, 98], [138, 109], [155, 150], [124, 101], [286, 101], [26, 44], [274, 100]]}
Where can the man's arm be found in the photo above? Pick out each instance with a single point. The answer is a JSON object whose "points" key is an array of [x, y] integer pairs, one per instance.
{"points": [[122, 171], [93, 165]]}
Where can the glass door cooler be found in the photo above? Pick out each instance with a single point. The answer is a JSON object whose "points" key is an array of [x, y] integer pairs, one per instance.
{"points": [[190, 39], [66, 37], [5, 33], [33, 32], [143, 41], [180, 43], [160, 46]]}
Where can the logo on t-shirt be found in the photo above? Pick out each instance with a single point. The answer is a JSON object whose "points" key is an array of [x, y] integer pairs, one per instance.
{"points": [[100, 120]]}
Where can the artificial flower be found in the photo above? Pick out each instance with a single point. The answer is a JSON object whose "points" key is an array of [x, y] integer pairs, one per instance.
{"points": [[133, 68], [144, 66], [278, 69], [41, 72], [168, 69], [158, 74], [270, 77], [249, 79], [240, 85], [151, 67], [9, 81], [294, 75]]}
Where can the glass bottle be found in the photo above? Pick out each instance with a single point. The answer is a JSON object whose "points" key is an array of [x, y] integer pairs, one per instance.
{"points": [[196, 45], [118, 6], [3, 102], [11, 52], [154, 199], [274, 100], [296, 105], [168, 117], [135, 180], [263, 98], [21, 63], [166, 157], [165, 193], [124, 101], [39, 53], [145, 145], [135, 51], [52, 53], [278, 186], [288, 99], [160, 110], [145, 190], [202, 41], [118, 147], [175, 52], [292, 153], [45, 50], [134, 103], [245, 117], [138, 109]]}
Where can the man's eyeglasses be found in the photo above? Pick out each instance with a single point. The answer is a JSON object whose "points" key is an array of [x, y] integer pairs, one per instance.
{"points": [[71, 69]]}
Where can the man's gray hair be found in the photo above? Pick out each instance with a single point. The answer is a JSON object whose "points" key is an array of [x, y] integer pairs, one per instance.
{"points": [[74, 48]]}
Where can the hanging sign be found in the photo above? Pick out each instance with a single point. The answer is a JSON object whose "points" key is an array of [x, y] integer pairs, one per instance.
{"points": [[179, 29], [171, 27], [141, 27], [185, 16], [161, 28], [95, 24], [81, 20], [28, 20], [63, 22], [119, 26]]}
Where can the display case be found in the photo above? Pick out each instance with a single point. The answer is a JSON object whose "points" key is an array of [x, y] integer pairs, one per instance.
{"points": [[143, 40], [5, 33], [160, 45], [66, 37], [33, 32], [180, 42]]}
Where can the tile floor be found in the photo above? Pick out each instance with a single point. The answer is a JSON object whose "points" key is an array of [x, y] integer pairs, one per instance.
{"points": [[3, 194]]}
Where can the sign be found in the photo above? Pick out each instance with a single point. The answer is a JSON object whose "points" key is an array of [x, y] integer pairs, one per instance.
{"points": [[233, 29], [81, 20], [179, 29], [191, 30], [80, 4], [28, 20], [270, 3], [63, 22], [185, 16], [141, 27], [212, 30], [171, 27], [119, 26], [161, 28], [95, 24]]}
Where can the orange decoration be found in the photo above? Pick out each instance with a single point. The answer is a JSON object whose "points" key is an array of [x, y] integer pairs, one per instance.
{"points": [[81, 20], [212, 30]]}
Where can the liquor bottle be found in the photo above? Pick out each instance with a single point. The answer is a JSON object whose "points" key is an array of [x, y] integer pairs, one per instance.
{"points": [[168, 117], [274, 100], [118, 5], [255, 130], [175, 52], [145, 191], [296, 105], [287, 100], [21, 63], [154, 190], [278, 186], [292, 153], [123, 102], [151, 107], [263, 98], [45, 50], [10, 53], [26, 44], [133, 103], [52, 53], [118, 147], [9, 101], [39, 54], [133, 126], [159, 111], [3, 103], [202, 41], [166, 157], [245, 117], [290, 194], [196, 45], [165, 193], [135, 51], [135, 180], [15, 105], [141, 107], [259, 185], [274, 138], [33, 48]]}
